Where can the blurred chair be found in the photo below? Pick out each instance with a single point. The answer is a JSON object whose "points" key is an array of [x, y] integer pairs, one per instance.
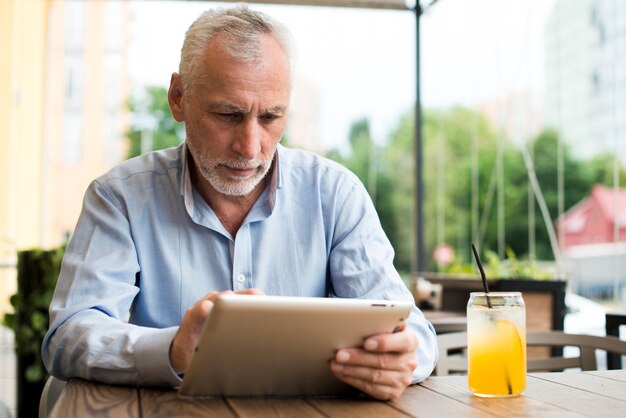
{"points": [[51, 392], [450, 324], [453, 354], [613, 322]]}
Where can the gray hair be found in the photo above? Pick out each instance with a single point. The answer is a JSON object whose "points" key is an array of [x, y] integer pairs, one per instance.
{"points": [[244, 28]]}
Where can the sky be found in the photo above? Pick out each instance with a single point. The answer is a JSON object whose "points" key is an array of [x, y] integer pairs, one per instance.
{"points": [[355, 63]]}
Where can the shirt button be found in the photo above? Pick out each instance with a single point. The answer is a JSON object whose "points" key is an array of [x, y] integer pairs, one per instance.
{"points": [[241, 278]]}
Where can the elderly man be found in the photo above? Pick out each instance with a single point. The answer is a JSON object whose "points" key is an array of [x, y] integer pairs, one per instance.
{"points": [[161, 235]]}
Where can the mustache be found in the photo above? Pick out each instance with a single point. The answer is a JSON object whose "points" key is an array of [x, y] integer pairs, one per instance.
{"points": [[243, 164]]}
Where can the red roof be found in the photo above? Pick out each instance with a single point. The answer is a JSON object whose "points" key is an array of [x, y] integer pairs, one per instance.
{"points": [[610, 203], [600, 201], [573, 221]]}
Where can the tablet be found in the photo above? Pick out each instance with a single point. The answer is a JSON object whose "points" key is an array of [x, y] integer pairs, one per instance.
{"points": [[282, 345]]}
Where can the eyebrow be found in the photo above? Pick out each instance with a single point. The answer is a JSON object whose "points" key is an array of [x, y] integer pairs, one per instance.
{"points": [[228, 108], [275, 110]]}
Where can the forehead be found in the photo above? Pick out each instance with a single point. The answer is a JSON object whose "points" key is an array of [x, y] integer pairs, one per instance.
{"points": [[217, 67]]}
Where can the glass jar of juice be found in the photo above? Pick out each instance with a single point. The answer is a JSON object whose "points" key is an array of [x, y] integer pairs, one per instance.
{"points": [[496, 344]]}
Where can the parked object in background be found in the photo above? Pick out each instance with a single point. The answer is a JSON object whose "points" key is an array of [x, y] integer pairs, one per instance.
{"points": [[427, 295]]}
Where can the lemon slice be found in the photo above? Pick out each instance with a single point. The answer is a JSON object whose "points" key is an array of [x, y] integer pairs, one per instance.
{"points": [[512, 355]]}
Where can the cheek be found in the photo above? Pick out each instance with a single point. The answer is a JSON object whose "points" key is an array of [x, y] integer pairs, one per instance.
{"points": [[203, 134], [275, 132], [270, 141]]}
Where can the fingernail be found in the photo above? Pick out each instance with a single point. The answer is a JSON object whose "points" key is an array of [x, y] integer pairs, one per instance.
{"points": [[371, 345], [343, 356]]}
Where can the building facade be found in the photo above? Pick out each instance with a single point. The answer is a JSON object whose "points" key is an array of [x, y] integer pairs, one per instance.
{"points": [[585, 75], [63, 88]]}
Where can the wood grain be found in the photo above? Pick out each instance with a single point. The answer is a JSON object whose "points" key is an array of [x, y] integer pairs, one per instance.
{"points": [[273, 408], [455, 387], [423, 402], [88, 399], [587, 382], [356, 408], [610, 374], [156, 403], [572, 399], [568, 394]]}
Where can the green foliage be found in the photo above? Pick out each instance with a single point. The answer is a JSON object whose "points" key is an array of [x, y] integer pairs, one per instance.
{"points": [[578, 180], [399, 172], [601, 169], [448, 142], [451, 137], [38, 271], [370, 163], [153, 107], [510, 268]]}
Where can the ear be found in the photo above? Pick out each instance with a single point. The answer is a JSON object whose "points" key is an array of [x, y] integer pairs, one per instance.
{"points": [[175, 98]]}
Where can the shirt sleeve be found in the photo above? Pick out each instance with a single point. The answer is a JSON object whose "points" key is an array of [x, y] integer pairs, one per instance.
{"points": [[361, 266], [89, 335]]}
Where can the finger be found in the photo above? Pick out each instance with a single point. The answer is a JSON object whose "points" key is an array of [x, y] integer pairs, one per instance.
{"points": [[197, 315], [376, 376], [404, 341], [212, 296], [384, 361], [381, 392], [188, 335]]}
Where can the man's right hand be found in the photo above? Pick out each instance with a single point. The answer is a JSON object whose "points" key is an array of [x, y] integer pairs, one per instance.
{"points": [[188, 336]]}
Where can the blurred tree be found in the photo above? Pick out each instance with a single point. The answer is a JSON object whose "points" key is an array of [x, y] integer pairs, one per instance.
{"points": [[364, 160], [450, 138], [578, 180], [399, 168], [152, 125], [601, 170]]}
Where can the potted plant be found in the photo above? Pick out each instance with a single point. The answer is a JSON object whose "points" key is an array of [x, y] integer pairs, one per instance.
{"points": [[544, 295], [37, 273]]}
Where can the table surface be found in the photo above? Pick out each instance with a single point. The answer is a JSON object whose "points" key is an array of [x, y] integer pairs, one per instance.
{"points": [[568, 394]]}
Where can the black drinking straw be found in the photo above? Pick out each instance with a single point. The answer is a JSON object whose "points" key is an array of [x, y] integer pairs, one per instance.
{"points": [[482, 274]]}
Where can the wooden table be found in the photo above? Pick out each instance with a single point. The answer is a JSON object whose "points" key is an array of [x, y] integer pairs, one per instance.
{"points": [[570, 394]]}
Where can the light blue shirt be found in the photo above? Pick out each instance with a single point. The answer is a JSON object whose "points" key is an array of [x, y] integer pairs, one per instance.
{"points": [[147, 247]]}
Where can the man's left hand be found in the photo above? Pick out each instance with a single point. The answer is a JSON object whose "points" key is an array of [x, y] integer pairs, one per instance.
{"points": [[383, 368]]}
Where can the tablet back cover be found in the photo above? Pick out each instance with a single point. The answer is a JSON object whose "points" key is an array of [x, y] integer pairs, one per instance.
{"points": [[277, 345]]}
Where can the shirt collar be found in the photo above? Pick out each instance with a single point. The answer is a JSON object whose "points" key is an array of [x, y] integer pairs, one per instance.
{"points": [[186, 189], [275, 180]]}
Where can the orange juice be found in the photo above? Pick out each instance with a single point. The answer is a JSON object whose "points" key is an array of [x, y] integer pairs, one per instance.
{"points": [[496, 344]]}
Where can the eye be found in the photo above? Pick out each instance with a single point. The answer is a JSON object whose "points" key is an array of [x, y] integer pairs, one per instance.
{"points": [[229, 116], [269, 117]]}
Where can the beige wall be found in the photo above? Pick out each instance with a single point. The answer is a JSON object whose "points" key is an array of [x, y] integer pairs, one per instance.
{"points": [[40, 191], [68, 181], [22, 64]]}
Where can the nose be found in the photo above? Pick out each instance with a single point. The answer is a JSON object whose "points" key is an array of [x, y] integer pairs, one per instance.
{"points": [[248, 141]]}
